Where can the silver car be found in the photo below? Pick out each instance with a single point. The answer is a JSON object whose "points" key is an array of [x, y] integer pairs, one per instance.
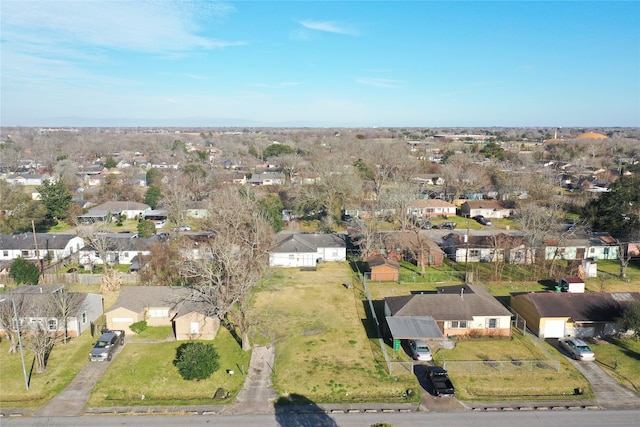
{"points": [[420, 350], [577, 349]]}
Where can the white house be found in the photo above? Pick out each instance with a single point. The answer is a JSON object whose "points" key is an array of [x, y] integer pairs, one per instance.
{"points": [[430, 208], [307, 249], [50, 246]]}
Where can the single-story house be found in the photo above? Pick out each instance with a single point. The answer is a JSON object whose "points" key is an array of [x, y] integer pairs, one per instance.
{"points": [[383, 269], [457, 310], [508, 248], [267, 178], [109, 210], [36, 310], [31, 179], [488, 208], [580, 247], [411, 247], [307, 249], [197, 209], [49, 246], [118, 248], [163, 306], [563, 314], [430, 208]]}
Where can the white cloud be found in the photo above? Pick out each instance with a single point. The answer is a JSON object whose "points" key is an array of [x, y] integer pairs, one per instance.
{"points": [[379, 82], [329, 27], [142, 26]]}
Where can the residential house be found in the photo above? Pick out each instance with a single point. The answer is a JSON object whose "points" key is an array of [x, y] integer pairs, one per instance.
{"points": [[563, 314], [578, 247], [307, 249], [118, 248], [430, 208], [197, 209], [409, 246], [383, 269], [488, 208], [158, 216], [110, 210], [194, 244], [36, 309], [177, 307], [460, 310], [25, 179], [267, 178], [429, 179], [52, 247], [239, 178], [508, 248]]}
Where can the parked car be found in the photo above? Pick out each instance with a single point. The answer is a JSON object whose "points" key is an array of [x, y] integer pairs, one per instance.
{"points": [[106, 346], [482, 220], [448, 225], [182, 228], [439, 379], [420, 350], [577, 349]]}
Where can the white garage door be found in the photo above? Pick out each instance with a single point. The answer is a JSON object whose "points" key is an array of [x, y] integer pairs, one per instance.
{"points": [[554, 328]]}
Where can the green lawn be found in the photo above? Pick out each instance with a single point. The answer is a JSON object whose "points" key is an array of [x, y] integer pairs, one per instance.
{"points": [[65, 361], [147, 369], [152, 333], [621, 358], [509, 380]]}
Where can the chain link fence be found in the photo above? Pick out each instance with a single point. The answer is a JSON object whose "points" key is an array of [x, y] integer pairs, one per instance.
{"points": [[500, 367]]}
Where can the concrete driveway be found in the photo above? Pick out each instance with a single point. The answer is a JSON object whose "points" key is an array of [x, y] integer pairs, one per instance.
{"points": [[610, 394], [71, 401]]}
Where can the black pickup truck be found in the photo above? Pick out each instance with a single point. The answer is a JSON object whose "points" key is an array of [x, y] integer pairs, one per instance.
{"points": [[439, 379]]}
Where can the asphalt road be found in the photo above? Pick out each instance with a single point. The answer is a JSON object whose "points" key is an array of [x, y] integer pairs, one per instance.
{"points": [[565, 418]]}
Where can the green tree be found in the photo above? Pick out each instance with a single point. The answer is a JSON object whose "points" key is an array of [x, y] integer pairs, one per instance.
{"points": [[23, 271], [493, 150], [17, 210], [272, 206], [196, 360], [253, 151], [364, 170], [110, 162], [153, 176], [153, 196], [631, 318], [275, 150], [146, 228], [56, 197], [617, 211]]}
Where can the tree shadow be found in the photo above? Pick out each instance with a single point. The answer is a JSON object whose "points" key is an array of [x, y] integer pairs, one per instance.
{"points": [[298, 411]]}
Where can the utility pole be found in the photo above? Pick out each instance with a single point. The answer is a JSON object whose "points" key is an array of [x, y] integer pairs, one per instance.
{"points": [[15, 315]]}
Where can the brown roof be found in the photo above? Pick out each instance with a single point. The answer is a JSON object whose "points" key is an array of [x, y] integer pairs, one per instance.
{"points": [[378, 260], [589, 306]]}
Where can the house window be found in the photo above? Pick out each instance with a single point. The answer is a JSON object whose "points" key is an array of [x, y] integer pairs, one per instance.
{"points": [[458, 324], [195, 328], [159, 313], [334, 254], [5, 253], [474, 253], [25, 253], [53, 324], [291, 256], [606, 251], [84, 317], [492, 323], [126, 254]]}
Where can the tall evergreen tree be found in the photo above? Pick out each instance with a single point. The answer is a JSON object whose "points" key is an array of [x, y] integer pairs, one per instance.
{"points": [[56, 197]]}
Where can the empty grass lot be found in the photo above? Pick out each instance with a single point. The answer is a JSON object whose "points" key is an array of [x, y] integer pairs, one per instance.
{"points": [[147, 369], [621, 358], [64, 363], [322, 349]]}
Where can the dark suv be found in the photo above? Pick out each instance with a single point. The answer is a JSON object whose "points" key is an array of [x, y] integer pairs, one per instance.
{"points": [[106, 346], [449, 225]]}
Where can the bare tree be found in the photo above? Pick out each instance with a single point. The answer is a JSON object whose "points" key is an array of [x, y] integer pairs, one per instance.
{"points": [[66, 304], [230, 264], [8, 320]]}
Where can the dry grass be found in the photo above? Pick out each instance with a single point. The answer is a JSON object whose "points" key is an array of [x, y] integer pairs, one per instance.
{"points": [[322, 349]]}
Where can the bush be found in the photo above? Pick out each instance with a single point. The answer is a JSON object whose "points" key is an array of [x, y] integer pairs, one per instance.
{"points": [[23, 271], [138, 327], [196, 360]]}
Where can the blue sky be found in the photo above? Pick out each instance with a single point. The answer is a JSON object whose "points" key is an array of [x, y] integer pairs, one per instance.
{"points": [[328, 63]]}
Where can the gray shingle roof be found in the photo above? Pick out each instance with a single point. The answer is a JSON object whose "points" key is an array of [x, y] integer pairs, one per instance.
{"points": [[137, 298], [588, 306], [309, 242], [448, 304], [26, 241]]}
